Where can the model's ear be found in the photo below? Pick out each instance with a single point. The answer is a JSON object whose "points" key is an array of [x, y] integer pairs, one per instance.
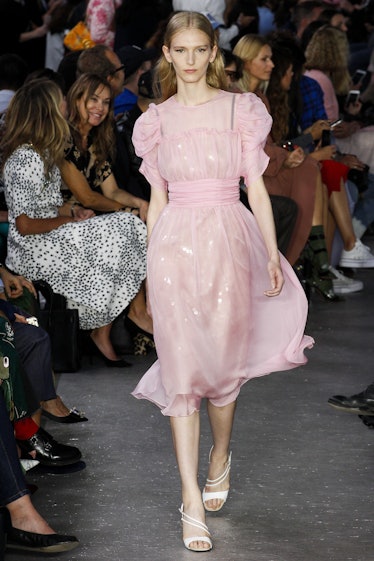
{"points": [[166, 53], [214, 53]]}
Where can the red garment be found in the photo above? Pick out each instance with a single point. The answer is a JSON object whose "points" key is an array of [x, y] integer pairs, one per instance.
{"points": [[333, 173]]}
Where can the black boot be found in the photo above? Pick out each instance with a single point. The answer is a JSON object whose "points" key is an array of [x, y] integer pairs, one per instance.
{"points": [[319, 276]]}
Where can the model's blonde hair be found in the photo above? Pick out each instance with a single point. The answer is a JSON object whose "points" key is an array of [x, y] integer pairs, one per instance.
{"points": [[247, 48], [34, 117], [165, 77], [328, 51], [103, 138]]}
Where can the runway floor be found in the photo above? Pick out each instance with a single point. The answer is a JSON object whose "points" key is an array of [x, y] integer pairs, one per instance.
{"points": [[302, 472]]}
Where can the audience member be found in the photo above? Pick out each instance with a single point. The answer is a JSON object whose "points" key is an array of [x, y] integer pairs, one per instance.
{"points": [[97, 263], [135, 61], [100, 18], [87, 171], [27, 529]]}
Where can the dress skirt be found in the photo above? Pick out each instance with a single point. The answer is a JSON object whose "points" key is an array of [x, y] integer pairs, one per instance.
{"points": [[214, 328]]}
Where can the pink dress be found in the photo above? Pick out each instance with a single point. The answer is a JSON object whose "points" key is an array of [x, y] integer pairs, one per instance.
{"points": [[207, 263]]}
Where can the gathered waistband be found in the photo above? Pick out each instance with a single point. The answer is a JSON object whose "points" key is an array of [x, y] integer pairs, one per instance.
{"points": [[203, 192]]}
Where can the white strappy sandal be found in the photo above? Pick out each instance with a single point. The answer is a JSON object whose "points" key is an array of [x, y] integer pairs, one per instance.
{"points": [[221, 495], [201, 526]]}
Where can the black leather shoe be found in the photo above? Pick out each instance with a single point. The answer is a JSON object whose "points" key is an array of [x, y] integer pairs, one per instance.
{"points": [[358, 403], [48, 451], [46, 543], [368, 420], [74, 416]]}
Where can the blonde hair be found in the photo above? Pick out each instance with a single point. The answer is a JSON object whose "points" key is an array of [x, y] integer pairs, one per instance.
{"points": [[247, 48], [328, 51], [165, 78], [34, 117]]}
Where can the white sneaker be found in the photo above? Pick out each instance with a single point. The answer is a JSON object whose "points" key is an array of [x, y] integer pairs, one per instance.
{"points": [[359, 256], [343, 284]]}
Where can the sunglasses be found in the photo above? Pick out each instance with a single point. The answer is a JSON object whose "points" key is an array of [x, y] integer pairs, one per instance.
{"points": [[118, 69]]}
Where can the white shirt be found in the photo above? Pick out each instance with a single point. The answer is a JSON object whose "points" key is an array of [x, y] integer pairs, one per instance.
{"points": [[216, 8], [5, 97]]}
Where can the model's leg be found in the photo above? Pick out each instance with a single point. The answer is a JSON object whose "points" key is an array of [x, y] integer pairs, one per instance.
{"points": [[186, 438], [221, 421]]}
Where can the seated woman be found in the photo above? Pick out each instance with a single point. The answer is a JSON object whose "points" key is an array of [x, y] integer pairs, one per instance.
{"points": [[33, 346], [289, 173], [87, 174], [284, 107], [97, 262]]}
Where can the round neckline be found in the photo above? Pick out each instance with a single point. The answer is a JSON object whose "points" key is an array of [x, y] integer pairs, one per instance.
{"points": [[217, 95]]}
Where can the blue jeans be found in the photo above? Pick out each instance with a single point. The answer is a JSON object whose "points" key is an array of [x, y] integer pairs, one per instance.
{"points": [[12, 482]]}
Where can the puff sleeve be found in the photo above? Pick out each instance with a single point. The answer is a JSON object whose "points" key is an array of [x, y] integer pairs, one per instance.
{"points": [[254, 124], [146, 139]]}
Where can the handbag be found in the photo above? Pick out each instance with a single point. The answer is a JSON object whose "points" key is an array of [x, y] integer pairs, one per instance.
{"points": [[62, 325], [78, 38]]}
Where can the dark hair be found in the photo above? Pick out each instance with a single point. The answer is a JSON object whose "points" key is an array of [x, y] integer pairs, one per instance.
{"points": [[48, 74], [277, 97], [229, 58], [13, 71]]}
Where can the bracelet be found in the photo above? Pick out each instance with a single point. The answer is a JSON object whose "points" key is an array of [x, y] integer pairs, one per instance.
{"points": [[72, 209]]}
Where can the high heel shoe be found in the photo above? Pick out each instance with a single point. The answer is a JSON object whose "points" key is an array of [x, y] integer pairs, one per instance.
{"points": [[120, 363], [221, 495], [142, 340], [201, 526], [324, 287]]}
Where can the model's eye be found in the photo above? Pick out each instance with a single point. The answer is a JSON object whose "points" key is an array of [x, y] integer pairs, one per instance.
{"points": [[179, 50], [202, 50]]}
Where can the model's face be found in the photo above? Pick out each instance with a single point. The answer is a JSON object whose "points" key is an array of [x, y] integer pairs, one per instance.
{"points": [[287, 78], [262, 65], [190, 54], [94, 109]]}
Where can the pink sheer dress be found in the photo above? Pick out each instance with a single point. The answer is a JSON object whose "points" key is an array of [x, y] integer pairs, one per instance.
{"points": [[207, 262]]}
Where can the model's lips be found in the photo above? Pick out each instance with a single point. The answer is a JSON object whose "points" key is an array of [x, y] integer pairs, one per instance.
{"points": [[190, 70]]}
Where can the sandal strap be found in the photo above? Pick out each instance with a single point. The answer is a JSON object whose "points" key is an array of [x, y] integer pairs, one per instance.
{"points": [[193, 522], [222, 477]]}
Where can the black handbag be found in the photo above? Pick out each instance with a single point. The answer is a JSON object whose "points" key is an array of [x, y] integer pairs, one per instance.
{"points": [[62, 325]]}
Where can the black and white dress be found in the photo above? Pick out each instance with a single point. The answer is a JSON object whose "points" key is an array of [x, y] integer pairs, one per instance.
{"points": [[98, 264]]}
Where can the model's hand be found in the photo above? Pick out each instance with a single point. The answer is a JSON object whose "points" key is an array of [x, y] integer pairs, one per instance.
{"points": [[276, 279]]}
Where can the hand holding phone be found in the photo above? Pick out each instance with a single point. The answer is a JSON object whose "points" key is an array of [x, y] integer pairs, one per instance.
{"points": [[352, 97]]}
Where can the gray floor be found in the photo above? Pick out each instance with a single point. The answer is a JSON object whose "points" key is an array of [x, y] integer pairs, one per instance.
{"points": [[302, 482]]}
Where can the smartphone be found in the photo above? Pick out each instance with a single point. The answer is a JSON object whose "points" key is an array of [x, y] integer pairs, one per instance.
{"points": [[352, 97], [325, 139], [335, 123], [358, 77]]}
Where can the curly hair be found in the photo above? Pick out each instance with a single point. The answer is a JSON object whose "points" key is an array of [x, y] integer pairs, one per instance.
{"points": [[34, 117], [165, 76], [103, 138], [328, 51]]}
